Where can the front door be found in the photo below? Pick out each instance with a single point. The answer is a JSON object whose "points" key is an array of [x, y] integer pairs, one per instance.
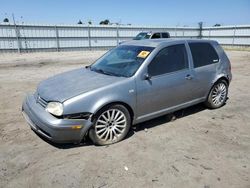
{"points": [[169, 84]]}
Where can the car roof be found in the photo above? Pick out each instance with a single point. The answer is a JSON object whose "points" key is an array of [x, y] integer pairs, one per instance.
{"points": [[154, 32], [158, 42]]}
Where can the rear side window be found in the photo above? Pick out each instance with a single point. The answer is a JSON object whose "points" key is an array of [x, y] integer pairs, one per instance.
{"points": [[156, 36], [169, 59], [165, 35], [203, 54]]}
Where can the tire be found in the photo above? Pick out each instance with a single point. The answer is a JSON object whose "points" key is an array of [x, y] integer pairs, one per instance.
{"points": [[111, 125], [218, 95]]}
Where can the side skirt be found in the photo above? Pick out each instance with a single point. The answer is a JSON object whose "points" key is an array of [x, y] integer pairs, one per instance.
{"points": [[167, 110]]}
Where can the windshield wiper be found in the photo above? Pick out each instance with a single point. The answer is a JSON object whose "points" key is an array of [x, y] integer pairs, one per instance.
{"points": [[101, 71], [105, 72]]}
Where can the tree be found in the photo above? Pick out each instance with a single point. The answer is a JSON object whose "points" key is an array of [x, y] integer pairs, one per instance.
{"points": [[105, 22], [90, 22], [6, 20], [79, 22]]}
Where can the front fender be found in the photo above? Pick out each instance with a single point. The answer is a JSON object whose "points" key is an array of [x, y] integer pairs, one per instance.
{"points": [[124, 91]]}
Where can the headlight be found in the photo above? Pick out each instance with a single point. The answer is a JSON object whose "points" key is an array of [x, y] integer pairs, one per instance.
{"points": [[55, 108]]}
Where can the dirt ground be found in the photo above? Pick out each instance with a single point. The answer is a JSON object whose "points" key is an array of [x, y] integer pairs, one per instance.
{"points": [[200, 148]]}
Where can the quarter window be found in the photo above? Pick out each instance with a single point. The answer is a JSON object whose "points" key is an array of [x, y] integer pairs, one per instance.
{"points": [[165, 35], [203, 54], [169, 59]]}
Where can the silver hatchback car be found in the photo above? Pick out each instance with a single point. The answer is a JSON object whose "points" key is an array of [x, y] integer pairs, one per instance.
{"points": [[132, 83]]}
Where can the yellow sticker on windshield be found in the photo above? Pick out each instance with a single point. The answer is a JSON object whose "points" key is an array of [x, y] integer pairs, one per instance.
{"points": [[143, 54]]}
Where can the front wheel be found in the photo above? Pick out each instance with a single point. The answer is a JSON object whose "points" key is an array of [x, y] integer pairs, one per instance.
{"points": [[218, 95], [111, 125]]}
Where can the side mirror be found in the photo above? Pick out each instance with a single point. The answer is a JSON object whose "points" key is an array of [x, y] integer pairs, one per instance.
{"points": [[147, 76]]}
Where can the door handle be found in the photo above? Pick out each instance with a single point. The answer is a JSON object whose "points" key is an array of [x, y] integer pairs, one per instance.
{"points": [[189, 77]]}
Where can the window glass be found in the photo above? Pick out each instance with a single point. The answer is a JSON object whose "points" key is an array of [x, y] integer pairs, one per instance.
{"points": [[142, 35], [123, 60], [156, 36], [169, 59], [165, 35], [203, 54]]}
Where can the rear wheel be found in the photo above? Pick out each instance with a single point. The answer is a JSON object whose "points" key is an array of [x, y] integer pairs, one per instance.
{"points": [[218, 95], [111, 125]]}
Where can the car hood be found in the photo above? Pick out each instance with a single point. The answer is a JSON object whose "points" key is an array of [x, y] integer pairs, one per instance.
{"points": [[70, 84]]}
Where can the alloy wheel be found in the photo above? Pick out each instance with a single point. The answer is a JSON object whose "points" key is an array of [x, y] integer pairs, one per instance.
{"points": [[219, 94], [110, 125]]}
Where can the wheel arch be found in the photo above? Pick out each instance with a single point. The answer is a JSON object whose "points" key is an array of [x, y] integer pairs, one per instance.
{"points": [[127, 106], [222, 77], [208, 101]]}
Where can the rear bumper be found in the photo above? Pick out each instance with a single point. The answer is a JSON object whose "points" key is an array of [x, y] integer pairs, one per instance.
{"points": [[50, 127]]}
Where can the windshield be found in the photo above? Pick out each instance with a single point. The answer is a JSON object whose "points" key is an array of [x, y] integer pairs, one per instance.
{"points": [[141, 36], [122, 61]]}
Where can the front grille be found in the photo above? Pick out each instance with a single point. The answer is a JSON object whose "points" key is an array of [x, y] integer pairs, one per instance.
{"points": [[41, 101]]}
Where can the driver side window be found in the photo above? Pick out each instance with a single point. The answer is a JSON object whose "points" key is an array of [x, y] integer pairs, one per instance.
{"points": [[169, 59]]}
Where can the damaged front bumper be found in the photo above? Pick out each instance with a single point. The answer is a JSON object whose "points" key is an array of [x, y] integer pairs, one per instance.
{"points": [[52, 128]]}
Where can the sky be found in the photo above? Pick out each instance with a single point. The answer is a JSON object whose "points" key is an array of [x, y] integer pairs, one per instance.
{"points": [[135, 12]]}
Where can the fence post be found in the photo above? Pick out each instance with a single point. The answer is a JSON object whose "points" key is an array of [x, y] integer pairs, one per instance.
{"points": [[200, 29], [17, 38], [234, 35], [117, 35], [57, 39], [17, 34], [89, 37]]}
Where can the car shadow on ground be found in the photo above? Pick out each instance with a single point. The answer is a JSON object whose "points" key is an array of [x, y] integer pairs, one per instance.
{"points": [[139, 127], [144, 126]]}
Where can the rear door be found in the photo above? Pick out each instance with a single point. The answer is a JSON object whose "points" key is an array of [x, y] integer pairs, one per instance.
{"points": [[205, 61], [156, 36]]}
